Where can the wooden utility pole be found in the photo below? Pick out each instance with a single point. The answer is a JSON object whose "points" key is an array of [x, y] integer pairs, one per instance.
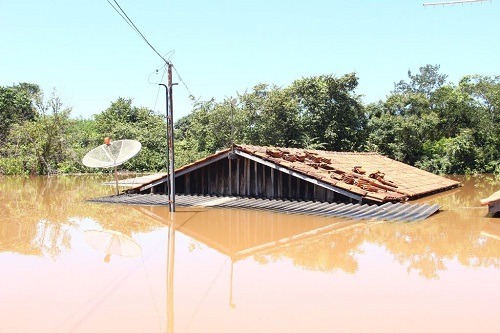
{"points": [[170, 136]]}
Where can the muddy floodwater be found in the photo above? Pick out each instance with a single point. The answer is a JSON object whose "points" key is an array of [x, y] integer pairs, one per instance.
{"points": [[67, 265]]}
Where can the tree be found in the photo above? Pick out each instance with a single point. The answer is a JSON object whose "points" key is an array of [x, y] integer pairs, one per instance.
{"points": [[425, 82], [17, 104], [399, 126], [331, 111], [440, 127], [456, 110], [271, 117], [40, 145], [206, 128], [124, 121], [485, 91], [316, 112], [397, 136]]}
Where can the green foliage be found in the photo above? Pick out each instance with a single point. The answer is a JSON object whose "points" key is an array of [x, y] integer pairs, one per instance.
{"points": [[272, 117], [11, 166], [16, 105], [38, 146], [317, 112], [424, 121], [485, 91], [124, 121], [461, 152], [330, 111], [425, 82], [398, 136], [197, 130], [266, 116], [185, 153], [438, 127]]}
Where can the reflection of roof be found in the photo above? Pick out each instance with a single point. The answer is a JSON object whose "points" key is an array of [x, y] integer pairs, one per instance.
{"points": [[240, 234], [367, 175]]}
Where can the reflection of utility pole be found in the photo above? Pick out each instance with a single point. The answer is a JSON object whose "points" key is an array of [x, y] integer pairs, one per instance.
{"points": [[231, 304], [170, 276]]}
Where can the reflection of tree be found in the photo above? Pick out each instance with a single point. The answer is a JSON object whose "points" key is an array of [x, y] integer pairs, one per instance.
{"points": [[455, 233], [425, 246], [331, 244], [18, 237], [52, 238], [39, 212], [469, 195]]}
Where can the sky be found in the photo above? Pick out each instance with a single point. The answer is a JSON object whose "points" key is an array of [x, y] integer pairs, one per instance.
{"points": [[88, 55]]}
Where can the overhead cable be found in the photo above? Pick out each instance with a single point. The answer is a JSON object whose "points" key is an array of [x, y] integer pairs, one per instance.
{"points": [[191, 96], [127, 19]]}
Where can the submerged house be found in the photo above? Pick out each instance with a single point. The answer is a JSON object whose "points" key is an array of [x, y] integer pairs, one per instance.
{"points": [[493, 203], [301, 174]]}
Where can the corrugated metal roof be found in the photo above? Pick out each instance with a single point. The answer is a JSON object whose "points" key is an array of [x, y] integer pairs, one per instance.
{"points": [[388, 211]]}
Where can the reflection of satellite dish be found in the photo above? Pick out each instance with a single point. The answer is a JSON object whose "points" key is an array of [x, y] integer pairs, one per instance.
{"points": [[112, 243], [112, 155]]}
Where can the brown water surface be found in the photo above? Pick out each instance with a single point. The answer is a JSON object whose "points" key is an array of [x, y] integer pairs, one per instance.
{"points": [[72, 266]]}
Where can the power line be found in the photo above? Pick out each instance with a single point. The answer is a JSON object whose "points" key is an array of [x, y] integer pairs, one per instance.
{"points": [[191, 96], [127, 19], [158, 91], [164, 67], [119, 13]]}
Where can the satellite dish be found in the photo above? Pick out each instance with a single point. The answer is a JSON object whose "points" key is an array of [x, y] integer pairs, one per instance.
{"points": [[112, 154]]}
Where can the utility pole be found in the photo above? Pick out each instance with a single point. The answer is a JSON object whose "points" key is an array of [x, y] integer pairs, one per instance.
{"points": [[170, 136], [170, 139]]}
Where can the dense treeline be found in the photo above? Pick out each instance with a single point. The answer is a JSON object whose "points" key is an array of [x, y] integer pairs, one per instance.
{"points": [[425, 121]]}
